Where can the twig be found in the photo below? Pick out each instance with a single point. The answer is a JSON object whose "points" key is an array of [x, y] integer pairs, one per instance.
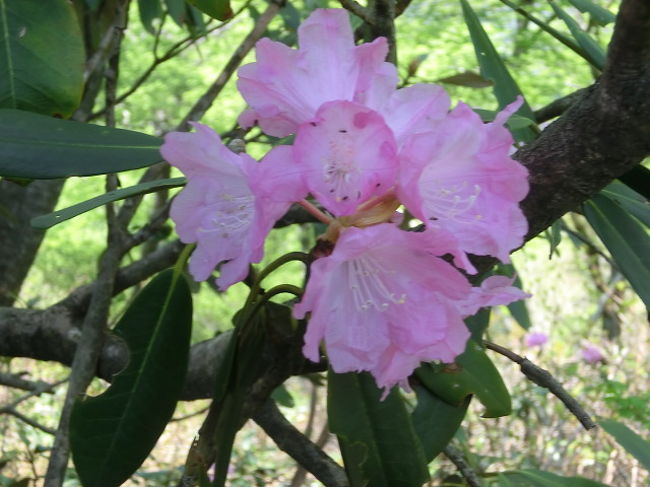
{"points": [[299, 447], [36, 392], [543, 378], [27, 420], [205, 102], [359, 10], [457, 458], [17, 382], [558, 107]]}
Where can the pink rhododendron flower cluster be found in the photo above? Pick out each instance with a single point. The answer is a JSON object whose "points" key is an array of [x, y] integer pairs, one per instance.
{"points": [[383, 299]]}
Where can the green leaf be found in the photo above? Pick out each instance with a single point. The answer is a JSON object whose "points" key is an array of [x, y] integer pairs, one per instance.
{"points": [[626, 240], [518, 309], [468, 79], [283, 397], [176, 10], [472, 373], [38, 147], [41, 57], [378, 442], [628, 439], [217, 9], [435, 421], [492, 66], [58, 216], [594, 53], [630, 200], [599, 14], [112, 434], [149, 11], [515, 122], [478, 323], [538, 478]]}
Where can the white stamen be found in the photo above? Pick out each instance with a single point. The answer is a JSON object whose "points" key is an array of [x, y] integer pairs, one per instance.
{"points": [[453, 202], [368, 282], [231, 215]]}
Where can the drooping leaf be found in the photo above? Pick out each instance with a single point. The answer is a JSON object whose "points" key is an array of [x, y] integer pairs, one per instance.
{"points": [[626, 240], [599, 14], [436, 421], [538, 478], [112, 434], [472, 373], [469, 79], [630, 200], [176, 10], [554, 237], [58, 216], [492, 67], [377, 439], [38, 147], [594, 53], [628, 439], [41, 57], [217, 9], [478, 323], [150, 10]]}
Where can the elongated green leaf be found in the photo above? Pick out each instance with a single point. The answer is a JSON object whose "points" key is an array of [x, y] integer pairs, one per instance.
{"points": [[594, 53], [37, 147], [377, 439], [436, 421], [176, 10], [598, 13], [217, 9], [492, 67], [514, 122], [626, 240], [149, 11], [472, 373], [630, 200], [628, 439], [638, 179], [41, 57], [538, 478], [469, 79], [112, 434], [58, 216]]}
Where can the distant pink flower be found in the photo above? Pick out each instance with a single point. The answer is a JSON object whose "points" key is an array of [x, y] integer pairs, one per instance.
{"points": [[592, 354], [230, 202], [459, 176], [383, 302], [536, 339]]}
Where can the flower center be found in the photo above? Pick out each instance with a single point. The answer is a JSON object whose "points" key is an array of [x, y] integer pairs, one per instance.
{"points": [[232, 214], [455, 202], [340, 169], [369, 280]]}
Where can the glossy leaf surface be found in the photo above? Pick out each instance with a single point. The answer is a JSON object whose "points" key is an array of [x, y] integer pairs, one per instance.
{"points": [[472, 373], [58, 216], [630, 200], [112, 434], [217, 9], [492, 66], [38, 147], [594, 53], [626, 240], [41, 57], [436, 421], [377, 439]]}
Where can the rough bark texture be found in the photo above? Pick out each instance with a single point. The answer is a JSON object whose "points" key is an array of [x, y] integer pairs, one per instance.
{"points": [[20, 242]]}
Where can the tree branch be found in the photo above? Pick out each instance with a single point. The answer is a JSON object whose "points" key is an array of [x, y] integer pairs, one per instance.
{"points": [[543, 378], [299, 447], [457, 458]]}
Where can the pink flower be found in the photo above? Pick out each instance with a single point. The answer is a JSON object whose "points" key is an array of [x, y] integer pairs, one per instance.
{"points": [[493, 291], [536, 339], [230, 202], [592, 354], [286, 87], [459, 176], [383, 302]]}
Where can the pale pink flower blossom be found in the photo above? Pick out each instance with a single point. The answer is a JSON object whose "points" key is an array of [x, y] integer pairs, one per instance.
{"points": [[493, 291], [592, 354], [536, 339], [383, 302], [459, 176], [230, 202]]}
